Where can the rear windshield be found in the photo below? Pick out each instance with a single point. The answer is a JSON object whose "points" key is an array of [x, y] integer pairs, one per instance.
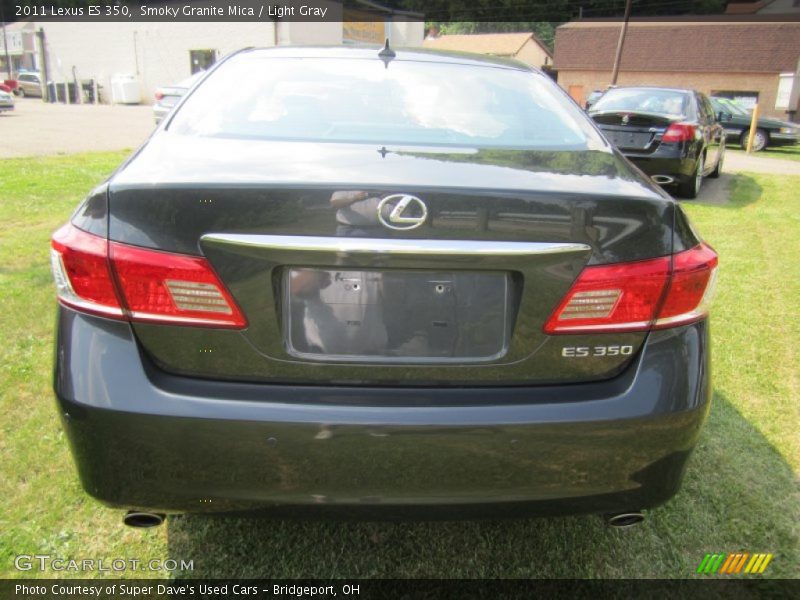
{"points": [[361, 100], [667, 102]]}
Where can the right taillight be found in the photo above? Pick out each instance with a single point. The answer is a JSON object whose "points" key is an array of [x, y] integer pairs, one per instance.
{"points": [[139, 284], [636, 296], [679, 132]]}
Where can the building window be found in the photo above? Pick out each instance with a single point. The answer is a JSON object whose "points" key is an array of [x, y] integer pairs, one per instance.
{"points": [[200, 60]]}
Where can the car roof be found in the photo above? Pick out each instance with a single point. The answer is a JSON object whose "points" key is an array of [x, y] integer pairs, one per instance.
{"points": [[401, 54]]}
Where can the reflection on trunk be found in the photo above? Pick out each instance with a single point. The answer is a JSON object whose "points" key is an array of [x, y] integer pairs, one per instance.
{"points": [[396, 314]]}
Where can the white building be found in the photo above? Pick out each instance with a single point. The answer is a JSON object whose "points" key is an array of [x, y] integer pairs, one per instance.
{"points": [[164, 53]]}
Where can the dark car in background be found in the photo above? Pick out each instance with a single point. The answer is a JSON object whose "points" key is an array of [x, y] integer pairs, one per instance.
{"points": [[673, 135], [769, 132], [395, 284]]}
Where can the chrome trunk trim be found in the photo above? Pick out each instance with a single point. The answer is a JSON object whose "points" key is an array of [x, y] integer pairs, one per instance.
{"points": [[342, 245]]}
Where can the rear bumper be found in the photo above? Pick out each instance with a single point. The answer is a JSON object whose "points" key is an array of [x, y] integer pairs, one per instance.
{"points": [[145, 439], [677, 167], [678, 161]]}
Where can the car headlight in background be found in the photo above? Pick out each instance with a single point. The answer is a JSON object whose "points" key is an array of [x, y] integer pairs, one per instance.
{"points": [[790, 130]]}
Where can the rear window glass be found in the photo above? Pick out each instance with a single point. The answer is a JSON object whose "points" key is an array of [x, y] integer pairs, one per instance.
{"points": [[361, 100], [668, 102]]}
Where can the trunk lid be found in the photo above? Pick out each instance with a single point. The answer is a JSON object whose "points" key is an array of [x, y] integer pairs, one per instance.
{"points": [[334, 295], [637, 131]]}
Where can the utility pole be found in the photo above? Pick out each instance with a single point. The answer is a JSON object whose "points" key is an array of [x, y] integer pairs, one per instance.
{"points": [[5, 39], [620, 42], [43, 71]]}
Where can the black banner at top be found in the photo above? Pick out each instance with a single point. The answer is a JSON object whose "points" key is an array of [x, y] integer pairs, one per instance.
{"points": [[484, 11]]}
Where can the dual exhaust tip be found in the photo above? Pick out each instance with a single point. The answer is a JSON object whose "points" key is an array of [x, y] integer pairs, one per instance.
{"points": [[662, 179], [624, 520], [143, 520]]}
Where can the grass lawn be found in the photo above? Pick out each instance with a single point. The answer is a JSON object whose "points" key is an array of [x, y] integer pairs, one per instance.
{"points": [[740, 494], [787, 152]]}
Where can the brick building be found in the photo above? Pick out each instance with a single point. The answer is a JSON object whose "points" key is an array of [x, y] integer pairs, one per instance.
{"points": [[749, 61], [525, 47]]}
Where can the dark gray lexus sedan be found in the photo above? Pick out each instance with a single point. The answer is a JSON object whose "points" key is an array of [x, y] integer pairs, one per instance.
{"points": [[387, 284]]}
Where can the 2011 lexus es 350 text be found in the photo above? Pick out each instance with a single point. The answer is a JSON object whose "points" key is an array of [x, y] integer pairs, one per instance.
{"points": [[405, 282]]}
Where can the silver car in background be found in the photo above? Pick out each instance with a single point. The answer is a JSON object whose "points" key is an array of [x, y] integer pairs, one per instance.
{"points": [[167, 97], [30, 84], [6, 101]]}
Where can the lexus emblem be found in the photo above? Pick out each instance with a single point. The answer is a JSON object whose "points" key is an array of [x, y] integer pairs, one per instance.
{"points": [[402, 211], [626, 119]]}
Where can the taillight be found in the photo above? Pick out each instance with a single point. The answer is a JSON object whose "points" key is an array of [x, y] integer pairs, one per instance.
{"points": [[80, 268], [635, 296], [138, 284], [172, 288], [691, 287], [159, 96], [679, 132]]}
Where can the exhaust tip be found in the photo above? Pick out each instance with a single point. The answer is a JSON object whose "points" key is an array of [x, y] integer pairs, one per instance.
{"points": [[662, 179], [143, 520], [624, 520]]}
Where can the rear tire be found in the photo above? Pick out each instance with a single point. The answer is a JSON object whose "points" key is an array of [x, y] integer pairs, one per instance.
{"points": [[760, 141], [691, 187], [718, 169]]}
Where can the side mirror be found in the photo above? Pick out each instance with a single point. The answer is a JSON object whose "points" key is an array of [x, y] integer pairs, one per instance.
{"points": [[723, 116]]}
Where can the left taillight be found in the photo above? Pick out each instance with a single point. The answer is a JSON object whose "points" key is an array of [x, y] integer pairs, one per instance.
{"points": [[138, 284], [82, 272]]}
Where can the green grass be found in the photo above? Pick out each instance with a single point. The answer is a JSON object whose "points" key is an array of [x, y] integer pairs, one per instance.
{"points": [[786, 152], [740, 493]]}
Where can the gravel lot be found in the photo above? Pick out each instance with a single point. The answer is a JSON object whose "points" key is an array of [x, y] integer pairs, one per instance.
{"points": [[35, 128], [736, 162]]}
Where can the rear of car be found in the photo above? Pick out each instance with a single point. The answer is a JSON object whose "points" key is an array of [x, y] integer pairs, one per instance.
{"points": [[418, 284], [668, 133]]}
